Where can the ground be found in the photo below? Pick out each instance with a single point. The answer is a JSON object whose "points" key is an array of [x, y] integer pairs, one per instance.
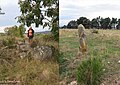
{"points": [[104, 44], [27, 70]]}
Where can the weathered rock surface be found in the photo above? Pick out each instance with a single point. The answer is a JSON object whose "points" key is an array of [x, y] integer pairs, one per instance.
{"points": [[24, 49], [40, 52]]}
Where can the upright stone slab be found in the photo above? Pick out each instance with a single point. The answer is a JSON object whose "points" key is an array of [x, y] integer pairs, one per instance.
{"points": [[82, 38]]}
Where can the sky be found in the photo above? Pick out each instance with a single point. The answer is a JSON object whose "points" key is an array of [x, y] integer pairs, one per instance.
{"points": [[12, 10], [74, 9]]}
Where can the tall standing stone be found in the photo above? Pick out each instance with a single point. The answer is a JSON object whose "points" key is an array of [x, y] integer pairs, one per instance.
{"points": [[82, 38]]}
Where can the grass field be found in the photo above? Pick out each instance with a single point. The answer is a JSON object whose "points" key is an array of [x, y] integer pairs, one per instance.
{"points": [[28, 71], [105, 44]]}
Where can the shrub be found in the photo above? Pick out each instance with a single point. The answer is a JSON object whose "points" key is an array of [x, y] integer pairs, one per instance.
{"points": [[95, 31], [90, 72], [15, 31], [12, 31], [9, 41], [21, 30], [48, 37]]}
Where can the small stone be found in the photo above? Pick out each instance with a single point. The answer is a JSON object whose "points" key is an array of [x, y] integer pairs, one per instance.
{"points": [[103, 69], [22, 55], [102, 84], [119, 61], [24, 48], [73, 83]]}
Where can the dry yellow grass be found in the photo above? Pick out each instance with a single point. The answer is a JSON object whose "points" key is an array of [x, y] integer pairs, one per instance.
{"points": [[30, 71]]}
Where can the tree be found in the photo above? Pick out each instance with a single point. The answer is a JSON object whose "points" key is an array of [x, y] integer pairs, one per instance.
{"points": [[40, 12], [113, 23], [118, 25], [84, 21], [72, 24], [105, 23], [64, 27], [94, 23], [98, 20]]}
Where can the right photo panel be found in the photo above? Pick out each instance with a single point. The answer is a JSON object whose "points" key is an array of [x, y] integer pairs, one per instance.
{"points": [[89, 42]]}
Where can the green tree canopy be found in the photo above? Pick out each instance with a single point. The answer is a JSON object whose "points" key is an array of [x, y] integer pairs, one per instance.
{"points": [[94, 23], [84, 21], [118, 25], [113, 23], [40, 12], [105, 23], [72, 24]]}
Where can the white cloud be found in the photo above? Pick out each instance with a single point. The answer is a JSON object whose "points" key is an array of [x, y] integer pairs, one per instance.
{"points": [[73, 9], [106, 14], [11, 9], [64, 3], [4, 3]]}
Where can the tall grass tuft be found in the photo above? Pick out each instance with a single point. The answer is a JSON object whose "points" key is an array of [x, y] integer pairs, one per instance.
{"points": [[90, 71], [9, 41]]}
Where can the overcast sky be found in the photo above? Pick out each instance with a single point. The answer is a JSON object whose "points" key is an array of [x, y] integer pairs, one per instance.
{"points": [[69, 10], [73, 9], [12, 10]]}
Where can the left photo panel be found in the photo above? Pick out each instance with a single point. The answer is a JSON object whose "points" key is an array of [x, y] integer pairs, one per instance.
{"points": [[29, 38]]}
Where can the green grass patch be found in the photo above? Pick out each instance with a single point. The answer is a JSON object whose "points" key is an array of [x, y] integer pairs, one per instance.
{"points": [[104, 45], [90, 71]]}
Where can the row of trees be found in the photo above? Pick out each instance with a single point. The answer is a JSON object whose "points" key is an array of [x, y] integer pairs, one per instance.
{"points": [[98, 23]]}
